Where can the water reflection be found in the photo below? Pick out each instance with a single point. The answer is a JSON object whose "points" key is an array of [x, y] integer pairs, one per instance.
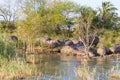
{"points": [[56, 67]]}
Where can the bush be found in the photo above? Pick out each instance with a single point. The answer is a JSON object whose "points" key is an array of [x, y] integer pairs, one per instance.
{"points": [[109, 37], [7, 48]]}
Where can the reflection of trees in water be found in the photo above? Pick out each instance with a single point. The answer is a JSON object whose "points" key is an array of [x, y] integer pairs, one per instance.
{"points": [[63, 67], [57, 66], [98, 68], [99, 63], [48, 64]]}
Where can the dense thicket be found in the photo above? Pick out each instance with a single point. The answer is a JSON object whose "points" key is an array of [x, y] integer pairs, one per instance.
{"points": [[30, 19]]}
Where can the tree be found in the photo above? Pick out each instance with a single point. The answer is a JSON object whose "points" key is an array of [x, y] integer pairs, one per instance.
{"points": [[66, 10], [84, 27], [47, 20], [50, 20], [109, 18], [9, 14]]}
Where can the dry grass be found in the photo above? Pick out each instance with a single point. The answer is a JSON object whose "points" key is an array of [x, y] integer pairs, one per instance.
{"points": [[16, 69]]}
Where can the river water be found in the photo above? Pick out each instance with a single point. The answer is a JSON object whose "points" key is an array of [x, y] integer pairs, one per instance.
{"points": [[56, 67]]}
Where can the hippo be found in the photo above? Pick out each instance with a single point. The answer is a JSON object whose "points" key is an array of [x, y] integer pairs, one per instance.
{"points": [[93, 39], [43, 39], [77, 43], [61, 41], [115, 48], [13, 38], [68, 43], [55, 43]]}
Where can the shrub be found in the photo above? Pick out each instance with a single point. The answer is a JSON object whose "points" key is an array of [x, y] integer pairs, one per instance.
{"points": [[7, 48], [109, 37]]}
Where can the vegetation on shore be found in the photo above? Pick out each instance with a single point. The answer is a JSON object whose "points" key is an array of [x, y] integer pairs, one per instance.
{"points": [[31, 19]]}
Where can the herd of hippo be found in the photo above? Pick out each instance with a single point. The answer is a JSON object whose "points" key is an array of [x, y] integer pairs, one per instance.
{"points": [[76, 47]]}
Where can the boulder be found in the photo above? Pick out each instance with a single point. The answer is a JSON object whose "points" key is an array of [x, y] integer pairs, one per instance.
{"points": [[68, 50], [102, 51], [79, 51], [91, 53]]}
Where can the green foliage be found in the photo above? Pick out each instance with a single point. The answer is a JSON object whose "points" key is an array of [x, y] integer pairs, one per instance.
{"points": [[7, 27], [49, 21], [87, 13], [108, 15], [7, 48], [84, 22], [109, 37], [61, 19]]}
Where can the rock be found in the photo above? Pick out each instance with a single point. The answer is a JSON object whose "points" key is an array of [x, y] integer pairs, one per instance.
{"points": [[67, 50], [79, 52], [115, 48], [102, 51], [91, 54]]}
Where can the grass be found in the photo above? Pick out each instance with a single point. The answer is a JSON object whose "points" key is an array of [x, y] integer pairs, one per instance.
{"points": [[16, 69], [109, 37], [97, 72], [87, 73]]}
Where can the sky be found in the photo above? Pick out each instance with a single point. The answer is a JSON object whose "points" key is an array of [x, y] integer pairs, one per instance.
{"points": [[92, 3], [98, 3]]}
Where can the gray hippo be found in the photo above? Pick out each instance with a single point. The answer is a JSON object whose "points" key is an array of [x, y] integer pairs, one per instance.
{"points": [[69, 43], [92, 39], [54, 43], [77, 43], [13, 38], [115, 48], [43, 39]]}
